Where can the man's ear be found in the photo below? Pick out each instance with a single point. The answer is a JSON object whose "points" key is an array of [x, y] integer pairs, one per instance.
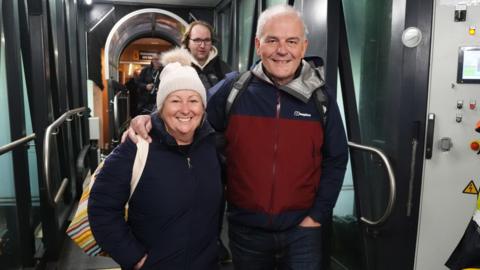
{"points": [[305, 46], [257, 46]]}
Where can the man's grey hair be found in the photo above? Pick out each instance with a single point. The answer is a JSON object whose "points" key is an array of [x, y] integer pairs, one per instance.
{"points": [[282, 9]]}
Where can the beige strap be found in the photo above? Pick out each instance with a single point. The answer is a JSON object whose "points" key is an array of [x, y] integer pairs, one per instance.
{"points": [[139, 164]]}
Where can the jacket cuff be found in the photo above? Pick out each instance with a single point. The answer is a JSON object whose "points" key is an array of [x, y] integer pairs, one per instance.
{"points": [[318, 215], [134, 255]]}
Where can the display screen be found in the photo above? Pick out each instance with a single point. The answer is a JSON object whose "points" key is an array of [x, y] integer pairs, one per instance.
{"points": [[468, 65]]}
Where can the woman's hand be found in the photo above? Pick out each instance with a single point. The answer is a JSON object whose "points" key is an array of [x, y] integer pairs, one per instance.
{"points": [[140, 263]]}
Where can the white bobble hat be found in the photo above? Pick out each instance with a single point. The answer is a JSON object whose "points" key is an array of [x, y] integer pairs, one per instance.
{"points": [[178, 74]]}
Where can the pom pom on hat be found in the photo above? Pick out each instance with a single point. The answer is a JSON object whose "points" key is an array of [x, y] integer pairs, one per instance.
{"points": [[179, 55], [178, 74]]}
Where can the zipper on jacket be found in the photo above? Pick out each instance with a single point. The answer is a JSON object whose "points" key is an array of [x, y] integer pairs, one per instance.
{"points": [[275, 151], [188, 163]]}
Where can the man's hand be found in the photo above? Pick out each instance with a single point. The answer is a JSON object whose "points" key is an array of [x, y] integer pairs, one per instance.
{"points": [[309, 222], [140, 263], [141, 125]]}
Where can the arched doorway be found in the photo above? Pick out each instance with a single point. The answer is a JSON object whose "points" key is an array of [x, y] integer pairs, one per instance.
{"points": [[151, 23]]}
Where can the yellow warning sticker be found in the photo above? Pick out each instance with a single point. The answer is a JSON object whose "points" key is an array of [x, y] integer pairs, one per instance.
{"points": [[471, 188]]}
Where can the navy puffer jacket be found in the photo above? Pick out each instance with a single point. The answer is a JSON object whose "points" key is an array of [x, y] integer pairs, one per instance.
{"points": [[173, 213]]}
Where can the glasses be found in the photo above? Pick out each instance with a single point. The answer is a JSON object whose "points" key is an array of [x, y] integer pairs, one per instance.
{"points": [[198, 41]]}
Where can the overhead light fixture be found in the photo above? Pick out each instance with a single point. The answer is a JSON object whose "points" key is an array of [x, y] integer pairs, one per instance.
{"points": [[88, 2]]}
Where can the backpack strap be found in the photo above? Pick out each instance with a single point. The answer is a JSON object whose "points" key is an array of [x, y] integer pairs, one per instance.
{"points": [[321, 98], [238, 87], [321, 101], [139, 163]]}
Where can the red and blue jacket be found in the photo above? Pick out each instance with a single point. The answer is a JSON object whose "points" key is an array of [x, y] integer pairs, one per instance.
{"points": [[282, 163]]}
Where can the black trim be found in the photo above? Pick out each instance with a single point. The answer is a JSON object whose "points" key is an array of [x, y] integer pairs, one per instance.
{"points": [[235, 36], [41, 114], [430, 133], [251, 50], [415, 79], [22, 230], [332, 53], [352, 125], [25, 43], [220, 9], [82, 70]]}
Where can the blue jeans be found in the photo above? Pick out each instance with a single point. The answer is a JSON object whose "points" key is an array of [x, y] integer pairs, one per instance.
{"points": [[257, 249]]}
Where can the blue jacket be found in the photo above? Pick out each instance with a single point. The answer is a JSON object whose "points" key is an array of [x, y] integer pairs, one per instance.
{"points": [[282, 163], [173, 213]]}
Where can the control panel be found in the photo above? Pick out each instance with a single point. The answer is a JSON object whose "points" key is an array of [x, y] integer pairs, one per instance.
{"points": [[451, 174]]}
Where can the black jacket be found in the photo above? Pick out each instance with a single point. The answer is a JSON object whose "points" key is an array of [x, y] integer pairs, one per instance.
{"points": [[213, 72], [173, 213], [146, 99]]}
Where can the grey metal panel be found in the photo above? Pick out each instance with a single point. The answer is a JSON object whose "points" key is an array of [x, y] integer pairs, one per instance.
{"points": [[445, 211]]}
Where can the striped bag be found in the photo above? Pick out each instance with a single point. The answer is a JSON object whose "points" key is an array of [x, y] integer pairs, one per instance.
{"points": [[79, 229]]}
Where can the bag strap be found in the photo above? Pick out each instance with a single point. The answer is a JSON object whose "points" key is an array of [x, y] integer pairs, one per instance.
{"points": [[321, 98], [238, 87], [139, 163], [321, 101]]}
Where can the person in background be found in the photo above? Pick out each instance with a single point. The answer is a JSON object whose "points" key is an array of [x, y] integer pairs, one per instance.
{"points": [[173, 212], [147, 85], [132, 87], [198, 40], [285, 167]]}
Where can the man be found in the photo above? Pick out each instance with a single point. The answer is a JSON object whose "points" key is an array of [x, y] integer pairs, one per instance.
{"points": [[285, 167], [198, 39], [147, 86]]}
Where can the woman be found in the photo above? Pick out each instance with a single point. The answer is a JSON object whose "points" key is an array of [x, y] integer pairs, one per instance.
{"points": [[173, 212]]}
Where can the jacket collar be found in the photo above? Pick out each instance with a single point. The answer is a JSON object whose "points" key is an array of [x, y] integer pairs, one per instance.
{"points": [[302, 86], [159, 131]]}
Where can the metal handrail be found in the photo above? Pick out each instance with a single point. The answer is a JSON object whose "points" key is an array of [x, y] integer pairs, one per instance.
{"points": [[46, 155], [116, 118], [391, 178], [10, 146]]}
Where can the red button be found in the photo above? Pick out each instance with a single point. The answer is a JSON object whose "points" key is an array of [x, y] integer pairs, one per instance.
{"points": [[475, 146]]}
